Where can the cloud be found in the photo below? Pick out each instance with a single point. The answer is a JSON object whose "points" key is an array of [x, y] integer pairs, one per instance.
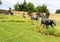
{"points": [[52, 5]]}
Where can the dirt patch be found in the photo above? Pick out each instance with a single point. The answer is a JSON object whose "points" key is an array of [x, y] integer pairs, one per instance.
{"points": [[55, 17], [52, 16]]}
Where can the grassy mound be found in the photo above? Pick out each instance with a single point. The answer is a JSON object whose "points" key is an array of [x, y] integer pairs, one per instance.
{"points": [[21, 32], [19, 29], [13, 18]]}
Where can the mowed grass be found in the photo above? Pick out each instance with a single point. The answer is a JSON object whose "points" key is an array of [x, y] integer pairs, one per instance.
{"points": [[22, 31]]}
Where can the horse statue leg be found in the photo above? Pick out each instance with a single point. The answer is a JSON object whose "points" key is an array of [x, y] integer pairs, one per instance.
{"points": [[52, 26], [46, 26]]}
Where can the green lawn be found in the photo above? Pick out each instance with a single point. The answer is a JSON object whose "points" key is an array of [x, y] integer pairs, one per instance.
{"points": [[21, 32]]}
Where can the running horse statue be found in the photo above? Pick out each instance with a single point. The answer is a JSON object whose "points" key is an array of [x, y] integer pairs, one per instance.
{"points": [[46, 21], [33, 17], [10, 11]]}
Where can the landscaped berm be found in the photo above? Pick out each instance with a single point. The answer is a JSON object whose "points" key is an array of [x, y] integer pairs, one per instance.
{"points": [[19, 29]]}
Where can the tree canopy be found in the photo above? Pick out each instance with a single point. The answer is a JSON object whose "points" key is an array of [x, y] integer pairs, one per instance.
{"points": [[57, 11], [29, 7], [0, 2]]}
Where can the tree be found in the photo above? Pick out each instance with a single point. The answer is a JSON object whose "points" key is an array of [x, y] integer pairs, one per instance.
{"points": [[0, 2], [24, 2], [21, 7], [24, 6], [44, 8], [30, 6], [57, 11], [34, 10], [47, 13], [16, 7], [39, 9]]}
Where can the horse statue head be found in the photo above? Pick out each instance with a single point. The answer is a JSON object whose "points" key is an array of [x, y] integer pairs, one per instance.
{"points": [[42, 15], [53, 22]]}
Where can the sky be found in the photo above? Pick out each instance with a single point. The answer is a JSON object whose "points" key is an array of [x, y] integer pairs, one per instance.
{"points": [[52, 5]]}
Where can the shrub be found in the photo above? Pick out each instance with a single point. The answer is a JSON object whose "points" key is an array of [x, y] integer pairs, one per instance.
{"points": [[57, 34], [49, 31], [57, 11]]}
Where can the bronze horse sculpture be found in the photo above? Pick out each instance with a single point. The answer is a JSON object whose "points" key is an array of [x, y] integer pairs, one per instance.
{"points": [[46, 21], [10, 11], [33, 17]]}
